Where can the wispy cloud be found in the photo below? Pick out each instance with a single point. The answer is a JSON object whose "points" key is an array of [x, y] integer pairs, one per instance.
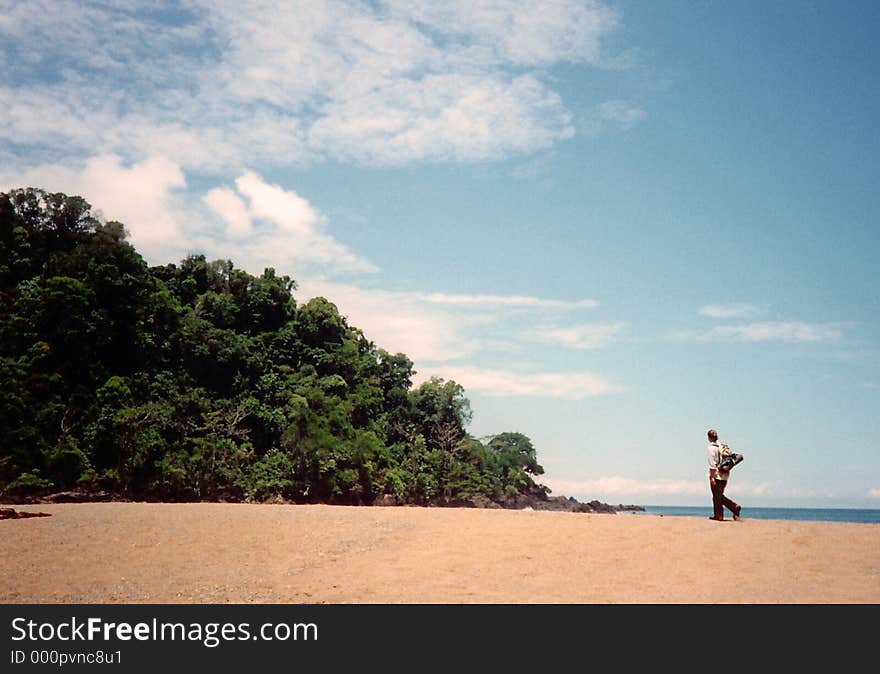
{"points": [[433, 327], [518, 33], [568, 385], [620, 113], [873, 493], [218, 84], [759, 331], [778, 331], [614, 114], [584, 336], [767, 331], [737, 310], [507, 301]]}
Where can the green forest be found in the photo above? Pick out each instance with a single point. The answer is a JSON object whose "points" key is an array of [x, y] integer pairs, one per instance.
{"points": [[198, 381]]}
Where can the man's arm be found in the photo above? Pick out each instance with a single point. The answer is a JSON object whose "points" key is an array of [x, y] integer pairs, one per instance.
{"points": [[713, 466]]}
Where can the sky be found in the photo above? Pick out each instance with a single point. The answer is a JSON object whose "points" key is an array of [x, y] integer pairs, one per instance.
{"points": [[616, 224]]}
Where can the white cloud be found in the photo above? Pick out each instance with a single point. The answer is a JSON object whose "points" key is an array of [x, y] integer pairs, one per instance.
{"points": [[284, 231], [204, 148], [739, 310], [520, 33], [586, 336], [784, 331], [285, 208], [228, 206], [568, 385], [766, 331], [873, 493], [221, 84], [445, 116]]}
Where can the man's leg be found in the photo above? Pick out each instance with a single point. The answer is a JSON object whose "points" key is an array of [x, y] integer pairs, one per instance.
{"points": [[717, 499], [726, 502]]}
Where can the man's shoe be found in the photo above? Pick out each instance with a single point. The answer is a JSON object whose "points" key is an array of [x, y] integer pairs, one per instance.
{"points": [[736, 512], [717, 519]]}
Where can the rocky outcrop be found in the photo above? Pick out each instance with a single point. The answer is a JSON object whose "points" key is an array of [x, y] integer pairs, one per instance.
{"points": [[73, 496], [12, 514], [537, 502], [571, 504], [630, 508]]}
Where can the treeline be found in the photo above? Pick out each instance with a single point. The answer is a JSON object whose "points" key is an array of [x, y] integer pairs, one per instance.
{"points": [[199, 381]]}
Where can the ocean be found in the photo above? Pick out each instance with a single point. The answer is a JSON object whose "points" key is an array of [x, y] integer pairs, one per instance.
{"points": [[860, 515]]}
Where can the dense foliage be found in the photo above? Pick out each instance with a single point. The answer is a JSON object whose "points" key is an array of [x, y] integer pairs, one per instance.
{"points": [[199, 381]]}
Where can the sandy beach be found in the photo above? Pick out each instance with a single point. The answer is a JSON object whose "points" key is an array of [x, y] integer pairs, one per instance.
{"points": [[239, 553]]}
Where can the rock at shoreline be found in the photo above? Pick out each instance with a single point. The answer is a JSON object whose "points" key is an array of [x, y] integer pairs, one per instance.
{"points": [[571, 504], [532, 502], [73, 496], [12, 514]]}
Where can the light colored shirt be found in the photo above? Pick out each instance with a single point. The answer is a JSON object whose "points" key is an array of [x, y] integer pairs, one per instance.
{"points": [[714, 455]]}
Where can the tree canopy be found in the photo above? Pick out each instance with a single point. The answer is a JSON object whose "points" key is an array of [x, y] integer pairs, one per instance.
{"points": [[199, 381]]}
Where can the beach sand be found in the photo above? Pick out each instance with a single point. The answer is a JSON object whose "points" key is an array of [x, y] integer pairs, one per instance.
{"points": [[211, 553]]}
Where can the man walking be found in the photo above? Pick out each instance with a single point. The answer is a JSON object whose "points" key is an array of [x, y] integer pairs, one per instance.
{"points": [[718, 481]]}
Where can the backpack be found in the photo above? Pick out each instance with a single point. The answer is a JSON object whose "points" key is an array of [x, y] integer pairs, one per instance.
{"points": [[729, 459]]}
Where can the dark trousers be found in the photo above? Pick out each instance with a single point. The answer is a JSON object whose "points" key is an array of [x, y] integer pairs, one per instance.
{"points": [[720, 501]]}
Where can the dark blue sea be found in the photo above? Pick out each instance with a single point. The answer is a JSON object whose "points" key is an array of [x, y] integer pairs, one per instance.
{"points": [[861, 515]]}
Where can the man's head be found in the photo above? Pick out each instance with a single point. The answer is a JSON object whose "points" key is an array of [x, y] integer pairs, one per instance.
{"points": [[713, 435]]}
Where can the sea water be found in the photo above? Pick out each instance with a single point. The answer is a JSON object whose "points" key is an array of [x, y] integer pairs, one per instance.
{"points": [[861, 515]]}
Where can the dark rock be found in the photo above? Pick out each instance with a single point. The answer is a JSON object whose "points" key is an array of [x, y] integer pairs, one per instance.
{"points": [[75, 496], [12, 514], [566, 504], [599, 507], [556, 503]]}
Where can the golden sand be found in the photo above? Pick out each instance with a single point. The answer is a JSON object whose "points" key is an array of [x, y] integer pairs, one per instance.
{"points": [[238, 553]]}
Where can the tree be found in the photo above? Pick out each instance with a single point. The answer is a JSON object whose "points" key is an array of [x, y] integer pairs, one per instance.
{"points": [[515, 452], [443, 412]]}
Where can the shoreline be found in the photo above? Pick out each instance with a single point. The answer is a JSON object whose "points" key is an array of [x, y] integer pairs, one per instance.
{"points": [[778, 513], [204, 553]]}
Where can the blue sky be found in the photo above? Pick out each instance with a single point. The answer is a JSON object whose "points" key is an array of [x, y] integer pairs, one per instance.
{"points": [[616, 224]]}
